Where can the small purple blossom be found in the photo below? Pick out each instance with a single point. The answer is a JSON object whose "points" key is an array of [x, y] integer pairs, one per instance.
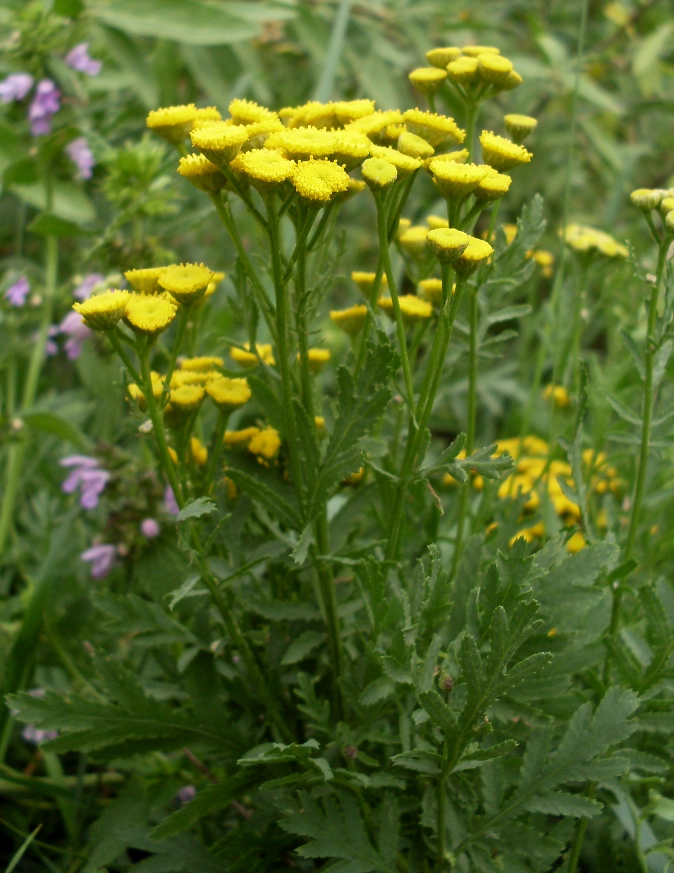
{"points": [[81, 155], [46, 102], [15, 87], [186, 793], [76, 331], [169, 499], [102, 558], [150, 528], [51, 348], [16, 294], [87, 476], [87, 285], [79, 59]]}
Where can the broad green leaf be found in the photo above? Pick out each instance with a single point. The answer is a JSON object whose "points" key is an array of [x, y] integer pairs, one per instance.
{"points": [[51, 422], [196, 508]]}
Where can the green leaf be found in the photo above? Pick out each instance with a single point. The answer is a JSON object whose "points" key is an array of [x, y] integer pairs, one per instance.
{"points": [[21, 851], [69, 201], [378, 690], [621, 410], [185, 590], [185, 21], [563, 803], [507, 314], [51, 422], [52, 225], [69, 8], [302, 646], [266, 488], [196, 508], [211, 799]]}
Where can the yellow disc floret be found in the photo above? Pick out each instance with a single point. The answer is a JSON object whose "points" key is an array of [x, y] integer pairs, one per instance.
{"points": [[186, 283], [476, 252], [493, 186], [265, 168], [519, 126], [435, 129], [201, 364], [187, 398], [265, 443], [146, 280], [103, 311], [149, 315], [463, 70], [263, 353], [229, 394], [447, 243], [412, 308], [378, 173], [440, 57], [500, 153], [427, 80], [350, 320], [202, 173], [172, 122], [220, 142], [493, 69], [249, 112], [454, 180], [317, 181]]}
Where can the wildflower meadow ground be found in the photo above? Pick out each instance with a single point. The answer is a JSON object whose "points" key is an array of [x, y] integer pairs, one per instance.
{"points": [[336, 437]]}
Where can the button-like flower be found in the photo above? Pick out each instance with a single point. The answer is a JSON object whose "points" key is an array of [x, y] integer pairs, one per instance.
{"points": [[149, 315], [201, 364], [378, 173], [265, 168], [447, 243], [103, 311], [220, 142], [492, 187], [427, 80], [414, 146], [365, 281], [202, 173], [646, 199], [502, 154], [78, 58], [404, 164], [249, 112], [456, 181], [412, 308], [173, 123], [350, 320], [476, 252], [435, 129], [265, 443], [440, 57], [145, 280], [186, 399], [186, 283], [317, 181], [248, 359], [318, 358], [493, 69], [228, 394], [463, 70], [413, 241], [519, 126]]}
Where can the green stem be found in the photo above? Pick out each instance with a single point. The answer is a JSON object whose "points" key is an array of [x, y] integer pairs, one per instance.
{"points": [[216, 449], [17, 450], [183, 317], [441, 794], [472, 373], [581, 828]]}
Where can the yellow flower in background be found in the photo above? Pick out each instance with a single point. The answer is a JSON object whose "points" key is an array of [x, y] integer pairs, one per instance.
{"points": [[173, 123], [502, 154], [198, 451], [318, 358], [248, 112], [265, 168], [149, 315], [202, 173], [347, 111], [455, 181], [378, 173], [585, 239], [350, 148], [431, 290], [474, 51], [463, 70], [427, 80], [435, 222], [146, 280], [228, 394], [201, 364], [265, 443], [404, 164], [544, 259], [303, 143], [373, 124], [103, 311], [414, 146], [365, 282], [412, 308], [493, 69], [317, 181], [240, 437], [440, 57], [476, 253], [559, 395], [413, 241], [646, 199], [136, 394], [437, 130], [519, 126], [492, 187], [220, 142], [247, 358], [186, 283], [186, 399], [460, 156], [259, 132], [196, 377], [350, 320]]}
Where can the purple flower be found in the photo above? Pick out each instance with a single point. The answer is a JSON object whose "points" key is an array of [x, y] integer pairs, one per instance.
{"points": [[51, 348], [150, 528], [46, 102], [101, 558], [15, 87], [16, 294], [87, 476], [78, 58], [76, 331], [186, 793], [87, 285], [170, 500], [31, 734], [81, 155]]}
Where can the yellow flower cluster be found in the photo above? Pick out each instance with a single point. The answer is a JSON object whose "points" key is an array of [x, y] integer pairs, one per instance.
{"points": [[537, 478], [589, 239], [662, 199], [473, 66], [264, 442]]}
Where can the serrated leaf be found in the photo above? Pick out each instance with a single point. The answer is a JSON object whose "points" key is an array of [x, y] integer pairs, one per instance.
{"points": [[562, 803], [621, 410], [207, 801], [196, 508], [266, 488], [302, 646], [185, 590], [635, 352], [508, 313], [441, 714], [378, 690]]}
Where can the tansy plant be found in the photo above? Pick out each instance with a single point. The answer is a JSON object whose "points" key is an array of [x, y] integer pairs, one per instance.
{"points": [[388, 678]]}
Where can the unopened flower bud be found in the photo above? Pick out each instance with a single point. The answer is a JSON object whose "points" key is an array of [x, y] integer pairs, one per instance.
{"points": [[646, 199]]}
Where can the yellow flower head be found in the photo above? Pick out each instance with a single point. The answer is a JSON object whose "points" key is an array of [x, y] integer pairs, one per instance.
{"points": [[460, 156], [519, 126], [263, 353], [350, 320], [440, 57], [240, 437], [205, 116], [373, 124], [413, 241], [403, 225], [493, 69], [303, 143], [476, 252], [149, 315], [318, 181], [318, 358], [220, 142], [474, 51], [500, 153], [198, 451], [427, 80], [455, 181], [435, 129], [404, 164], [321, 430], [436, 221], [228, 394], [202, 173], [186, 283], [136, 394], [103, 311], [350, 148], [447, 243], [265, 168], [347, 111], [365, 281], [259, 133], [431, 290], [559, 395], [355, 187], [544, 259], [186, 399], [463, 70], [378, 173], [145, 281], [173, 123], [265, 443], [202, 364], [584, 239], [249, 112], [646, 199], [412, 308], [576, 543], [414, 146], [492, 187], [193, 377]]}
